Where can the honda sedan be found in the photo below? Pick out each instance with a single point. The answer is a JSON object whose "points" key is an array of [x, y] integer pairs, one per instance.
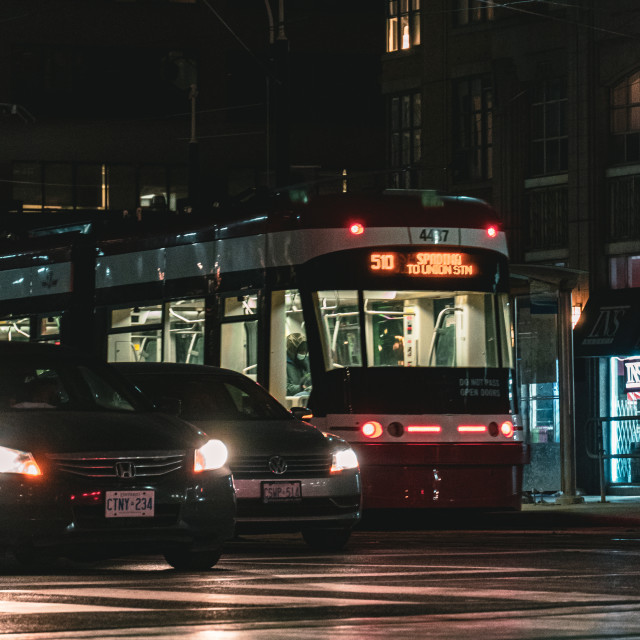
{"points": [[89, 468]]}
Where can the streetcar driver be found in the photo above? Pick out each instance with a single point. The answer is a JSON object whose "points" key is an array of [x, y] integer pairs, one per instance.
{"points": [[298, 373]]}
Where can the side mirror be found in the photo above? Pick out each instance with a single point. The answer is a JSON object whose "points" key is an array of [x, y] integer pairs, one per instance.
{"points": [[172, 406], [302, 413]]}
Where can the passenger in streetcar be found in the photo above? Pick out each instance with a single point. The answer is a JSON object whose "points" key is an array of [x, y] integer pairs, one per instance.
{"points": [[298, 374]]}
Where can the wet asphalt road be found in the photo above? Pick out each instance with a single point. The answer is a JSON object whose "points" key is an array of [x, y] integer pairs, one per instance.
{"points": [[392, 581]]}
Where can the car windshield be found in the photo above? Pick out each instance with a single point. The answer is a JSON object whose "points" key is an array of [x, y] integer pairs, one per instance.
{"points": [[43, 384], [205, 397]]}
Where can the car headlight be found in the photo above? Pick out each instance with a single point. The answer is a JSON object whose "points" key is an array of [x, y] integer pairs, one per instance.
{"points": [[344, 459], [13, 461], [211, 455]]}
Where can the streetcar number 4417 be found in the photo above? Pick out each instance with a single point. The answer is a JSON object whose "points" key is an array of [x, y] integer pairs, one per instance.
{"points": [[434, 235]]}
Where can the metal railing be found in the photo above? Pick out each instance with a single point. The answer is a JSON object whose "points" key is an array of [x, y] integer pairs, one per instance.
{"points": [[594, 429]]}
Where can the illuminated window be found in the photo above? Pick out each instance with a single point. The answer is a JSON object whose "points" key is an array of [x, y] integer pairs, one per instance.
{"points": [[625, 119], [403, 24], [473, 11], [473, 128], [405, 148], [624, 272], [549, 135]]}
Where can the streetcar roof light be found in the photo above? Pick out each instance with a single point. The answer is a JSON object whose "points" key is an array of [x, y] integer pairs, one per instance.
{"points": [[424, 428], [492, 231], [472, 428], [356, 228]]}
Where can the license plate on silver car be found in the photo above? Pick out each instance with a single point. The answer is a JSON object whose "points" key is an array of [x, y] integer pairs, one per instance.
{"points": [[281, 491], [129, 504]]}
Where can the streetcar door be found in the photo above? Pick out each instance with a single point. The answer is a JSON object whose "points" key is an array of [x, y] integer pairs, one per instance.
{"points": [[239, 334], [289, 368]]}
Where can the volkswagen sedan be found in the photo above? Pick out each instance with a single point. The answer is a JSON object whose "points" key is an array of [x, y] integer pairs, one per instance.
{"points": [[89, 468], [288, 475]]}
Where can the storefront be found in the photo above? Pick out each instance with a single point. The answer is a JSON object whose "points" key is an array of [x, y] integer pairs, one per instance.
{"points": [[607, 351]]}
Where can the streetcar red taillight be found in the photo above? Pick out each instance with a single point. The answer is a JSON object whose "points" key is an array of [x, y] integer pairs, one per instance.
{"points": [[424, 428], [371, 429], [472, 428], [506, 429], [492, 231], [356, 228]]}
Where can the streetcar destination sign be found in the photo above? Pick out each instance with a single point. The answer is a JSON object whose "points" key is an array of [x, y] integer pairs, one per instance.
{"points": [[423, 263]]}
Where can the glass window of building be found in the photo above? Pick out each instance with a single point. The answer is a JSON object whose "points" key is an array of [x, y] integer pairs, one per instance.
{"points": [[625, 119], [58, 186], [624, 272], [548, 215], [27, 184], [473, 128], [153, 188], [549, 135], [622, 437], [90, 186], [403, 24], [473, 11], [624, 222], [405, 148]]}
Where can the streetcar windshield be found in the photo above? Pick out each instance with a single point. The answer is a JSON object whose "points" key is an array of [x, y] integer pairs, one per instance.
{"points": [[414, 328]]}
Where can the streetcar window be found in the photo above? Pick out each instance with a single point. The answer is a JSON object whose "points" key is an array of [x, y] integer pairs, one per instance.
{"points": [[339, 320], [16, 329], [239, 351], [186, 332], [415, 328]]}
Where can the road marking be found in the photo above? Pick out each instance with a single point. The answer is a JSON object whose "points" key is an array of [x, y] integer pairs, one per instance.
{"points": [[218, 599]]}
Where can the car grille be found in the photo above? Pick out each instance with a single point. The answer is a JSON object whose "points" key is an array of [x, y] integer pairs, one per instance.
{"points": [[107, 466], [299, 465]]}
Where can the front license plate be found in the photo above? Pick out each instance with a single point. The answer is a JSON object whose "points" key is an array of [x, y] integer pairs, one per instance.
{"points": [[281, 491], [129, 504]]}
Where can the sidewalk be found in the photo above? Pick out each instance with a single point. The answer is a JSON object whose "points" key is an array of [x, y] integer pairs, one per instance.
{"points": [[617, 512]]}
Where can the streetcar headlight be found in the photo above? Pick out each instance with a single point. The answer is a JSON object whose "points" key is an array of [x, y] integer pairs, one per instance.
{"points": [[14, 461], [209, 456], [344, 459]]}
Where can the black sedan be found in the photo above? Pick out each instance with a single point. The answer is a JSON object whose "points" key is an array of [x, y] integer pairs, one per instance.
{"points": [[288, 475], [89, 468]]}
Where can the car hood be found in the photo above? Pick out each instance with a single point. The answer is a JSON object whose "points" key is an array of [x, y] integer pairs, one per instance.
{"points": [[266, 437], [77, 431]]}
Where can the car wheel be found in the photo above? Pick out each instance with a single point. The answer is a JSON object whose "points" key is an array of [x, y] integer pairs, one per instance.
{"points": [[189, 560], [326, 539]]}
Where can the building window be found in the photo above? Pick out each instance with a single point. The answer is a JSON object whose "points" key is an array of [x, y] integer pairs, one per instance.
{"points": [[549, 138], [624, 272], [473, 128], [548, 215], [403, 24], [406, 141], [625, 120], [624, 208], [473, 11], [38, 186]]}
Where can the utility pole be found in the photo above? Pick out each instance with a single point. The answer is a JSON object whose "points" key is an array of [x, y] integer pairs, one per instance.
{"points": [[194, 160], [278, 96]]}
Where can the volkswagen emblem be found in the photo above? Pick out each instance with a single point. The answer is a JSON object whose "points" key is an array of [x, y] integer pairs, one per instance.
{"points": [[277, 465], [125, 469]]}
